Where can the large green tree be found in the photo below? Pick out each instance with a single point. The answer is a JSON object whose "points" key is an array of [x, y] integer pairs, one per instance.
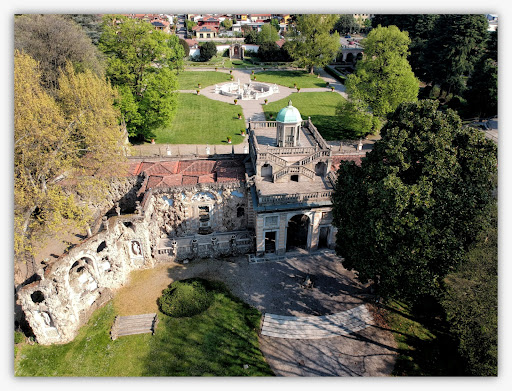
{"points": [[482, 89], [408, 214], [53, 40], [471, 302], [383, 78], [268, 33], [346, 23], [457, 45], [75, 134], [311, 42], [207, 50], [421, 29], [142, 61]]}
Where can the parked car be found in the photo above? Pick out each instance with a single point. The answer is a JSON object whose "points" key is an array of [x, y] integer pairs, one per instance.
{"points": [[348, 36]]}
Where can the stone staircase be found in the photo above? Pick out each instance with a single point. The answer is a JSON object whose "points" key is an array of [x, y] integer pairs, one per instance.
{"points": [[316, 327], [134, 324]]}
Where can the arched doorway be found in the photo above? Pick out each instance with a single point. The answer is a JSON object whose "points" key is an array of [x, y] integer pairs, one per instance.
{"points": [[297, 235], [320, 168]]}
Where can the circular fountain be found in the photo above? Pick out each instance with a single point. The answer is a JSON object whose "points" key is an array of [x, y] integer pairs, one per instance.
{"points": [[247, 91]]}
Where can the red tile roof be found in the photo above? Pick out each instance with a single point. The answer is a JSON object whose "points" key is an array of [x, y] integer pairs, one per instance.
{"points": [[189, 172], [336, 160], [189, 180], [191, 42], [281, 42]]}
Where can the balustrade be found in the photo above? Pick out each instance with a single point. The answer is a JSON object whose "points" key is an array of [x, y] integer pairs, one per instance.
{"points": [[280, 199]]}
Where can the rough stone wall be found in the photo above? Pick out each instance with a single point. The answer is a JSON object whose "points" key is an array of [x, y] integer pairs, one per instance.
{"points": [[174, 212], [77, 283], [73, 286]]}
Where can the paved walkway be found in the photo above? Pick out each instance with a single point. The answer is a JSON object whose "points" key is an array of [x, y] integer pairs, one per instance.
{"points": [[316, 327]]}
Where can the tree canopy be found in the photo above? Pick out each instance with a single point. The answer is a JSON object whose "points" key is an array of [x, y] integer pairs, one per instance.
{"points": [[268, 33], [346, 23], [421, 28], [90, 23], [482, 89], [312, 43], [408, 214], [53, 40], [207, 50], [383, 78], [471, 302], [354, 121], [458, 43], [142, 62], [75, 133]]}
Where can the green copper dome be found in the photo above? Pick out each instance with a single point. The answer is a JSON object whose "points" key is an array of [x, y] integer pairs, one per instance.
{"points": [[289, 114]]}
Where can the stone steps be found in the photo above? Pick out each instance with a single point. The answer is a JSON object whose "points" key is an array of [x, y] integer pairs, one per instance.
{"points": [[316, 327], [134, 324]]}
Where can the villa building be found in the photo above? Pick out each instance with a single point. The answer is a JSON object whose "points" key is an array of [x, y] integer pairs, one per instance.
{"points": [[272, 199]]}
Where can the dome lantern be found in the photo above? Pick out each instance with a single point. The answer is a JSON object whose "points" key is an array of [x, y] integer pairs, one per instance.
{"points": [[289, 122]]}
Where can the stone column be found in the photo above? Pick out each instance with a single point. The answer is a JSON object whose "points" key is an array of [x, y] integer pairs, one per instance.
{"points": [[260, 235], [282, 234], [314, 231]]}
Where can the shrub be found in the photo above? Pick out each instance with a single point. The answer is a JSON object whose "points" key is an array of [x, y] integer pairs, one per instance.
{"points": [[207, 51], [19, 337], [185, 298], [186, 48]]}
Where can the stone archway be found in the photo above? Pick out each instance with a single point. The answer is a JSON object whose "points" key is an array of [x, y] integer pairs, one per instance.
{"points": [[297, 233]]}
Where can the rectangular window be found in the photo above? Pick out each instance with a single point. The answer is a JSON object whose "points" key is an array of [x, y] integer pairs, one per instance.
{"points": [[271, 221], [204, 216]]}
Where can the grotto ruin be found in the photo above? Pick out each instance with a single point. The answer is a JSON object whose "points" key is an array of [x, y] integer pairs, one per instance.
{"points": [[272, 200]]}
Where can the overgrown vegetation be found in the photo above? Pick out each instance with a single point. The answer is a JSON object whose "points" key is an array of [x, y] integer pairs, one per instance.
{"points": [[74, 130], [221, 341]]}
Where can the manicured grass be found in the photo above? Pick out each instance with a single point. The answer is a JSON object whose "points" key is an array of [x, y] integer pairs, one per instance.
{"points": [[320, 106], [189, 80], [200, 120], [217, 342], [424, 348], [287, 78]]}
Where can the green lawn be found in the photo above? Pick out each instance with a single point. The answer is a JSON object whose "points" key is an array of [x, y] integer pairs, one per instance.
{"points": [[287, 78], [188, 80], [217, 342], [320, 106], [200, 120]]}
